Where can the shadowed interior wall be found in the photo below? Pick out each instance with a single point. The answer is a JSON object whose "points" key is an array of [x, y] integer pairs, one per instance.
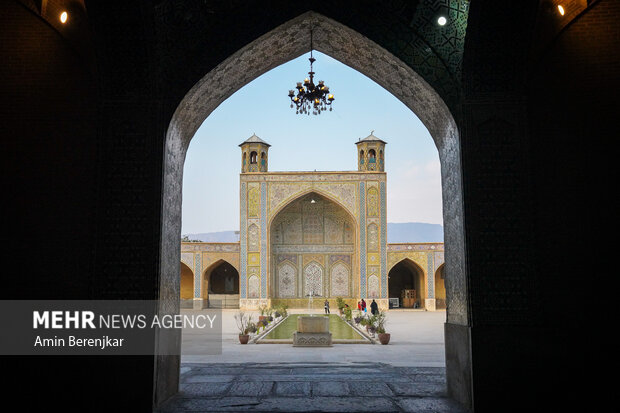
{"points": [[83, 154]]}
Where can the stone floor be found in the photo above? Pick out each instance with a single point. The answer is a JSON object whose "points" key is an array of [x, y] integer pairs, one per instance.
{"points": [[310, 387], [417, 340], [408, 375]]}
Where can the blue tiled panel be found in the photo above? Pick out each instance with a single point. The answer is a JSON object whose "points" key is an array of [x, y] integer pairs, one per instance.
{"points": [[243, 244], [363, 239], [197, 270], [263, 239], [384, 289], [430, 264]]}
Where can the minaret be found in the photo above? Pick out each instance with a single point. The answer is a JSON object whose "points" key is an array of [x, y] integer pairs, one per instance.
{"points": [[371, 154], [254, 155]]}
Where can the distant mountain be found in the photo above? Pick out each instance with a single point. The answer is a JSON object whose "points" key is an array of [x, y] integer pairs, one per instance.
{"points": [[222, 236], [414, 232], [396, 232]]}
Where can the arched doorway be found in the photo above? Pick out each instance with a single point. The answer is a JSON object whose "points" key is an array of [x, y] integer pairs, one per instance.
{"points": [[370, 59], [312, 245], [440, 288], [187, 286], [406, 282], [221, 285]]}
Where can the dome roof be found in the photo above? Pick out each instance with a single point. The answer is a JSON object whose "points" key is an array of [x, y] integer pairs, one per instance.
{"points": [[254, 139], [371, 138]]}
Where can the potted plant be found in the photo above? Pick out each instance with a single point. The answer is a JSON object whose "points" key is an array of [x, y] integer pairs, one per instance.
{"points": [[243, 320], [384, 337], [358, 317], [347, 313], [269, 313], [262, 310], [281, 310], [252, 328], [371, 326], [340, 304]]}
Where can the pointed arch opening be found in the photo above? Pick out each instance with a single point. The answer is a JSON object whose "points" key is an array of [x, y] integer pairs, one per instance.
{"points": [[280, 45], [187, 286], [440, 288], [221, 285], [406, 283]]}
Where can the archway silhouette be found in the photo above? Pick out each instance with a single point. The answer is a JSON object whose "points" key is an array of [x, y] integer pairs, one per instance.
{"points": [[186, 285], [280, 45], [220, 285], [406, 275], [440, 288]]}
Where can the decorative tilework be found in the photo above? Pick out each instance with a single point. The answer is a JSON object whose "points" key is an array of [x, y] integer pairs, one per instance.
{"points": [[372, 203], [313, 279], [362, 194], [384, 282], [439, 260], [340, 280], [253, 259], [243, 242], [373, 286], [263, 239], [253, 199], [253, 286], [197, 275], [187, 258], [373, 258], [287, 281], [430, 275]]}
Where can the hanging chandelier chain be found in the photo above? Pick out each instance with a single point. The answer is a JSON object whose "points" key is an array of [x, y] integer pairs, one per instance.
{"points": [[310, 97]]}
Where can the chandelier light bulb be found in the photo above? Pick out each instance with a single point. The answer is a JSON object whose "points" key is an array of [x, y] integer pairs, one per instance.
{"points": [[442, 21], [561, 9], [63, 17]]}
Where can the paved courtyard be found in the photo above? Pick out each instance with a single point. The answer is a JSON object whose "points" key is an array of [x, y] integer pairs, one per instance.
{"points": [[363, 386], [417, 340], [408, 375]]}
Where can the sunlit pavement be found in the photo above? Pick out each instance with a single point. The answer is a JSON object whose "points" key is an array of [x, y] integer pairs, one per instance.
{"points": [[407, 375], [417, 340]]}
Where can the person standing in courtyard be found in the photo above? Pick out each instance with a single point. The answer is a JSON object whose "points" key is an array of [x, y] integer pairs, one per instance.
{"points": [[374, 308], [326, 305], [359, 306], [363, 305]]}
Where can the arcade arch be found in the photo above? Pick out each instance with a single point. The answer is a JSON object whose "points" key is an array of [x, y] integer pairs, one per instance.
{"points": [[220, 285], [406, 282]]}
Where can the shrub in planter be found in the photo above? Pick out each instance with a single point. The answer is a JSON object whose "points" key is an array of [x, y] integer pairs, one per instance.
{"points": [[381, 321], [347, 313], [340, 304], [243, 322], [384, 338]]}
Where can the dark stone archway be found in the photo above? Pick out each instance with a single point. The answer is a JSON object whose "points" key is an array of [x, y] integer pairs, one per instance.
{"points": [[284, 43]]}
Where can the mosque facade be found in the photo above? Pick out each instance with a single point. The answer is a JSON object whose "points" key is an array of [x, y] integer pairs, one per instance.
{"points": [[312, 235]]}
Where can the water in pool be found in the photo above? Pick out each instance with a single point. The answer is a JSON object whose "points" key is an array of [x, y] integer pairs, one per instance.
{"points": [[339, 329]]}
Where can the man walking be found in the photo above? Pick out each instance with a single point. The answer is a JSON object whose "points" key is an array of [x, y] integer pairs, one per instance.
{"points": [[326, 305]]}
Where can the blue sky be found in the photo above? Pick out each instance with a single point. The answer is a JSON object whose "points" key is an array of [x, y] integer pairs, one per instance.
{"points": [[304, 143]]}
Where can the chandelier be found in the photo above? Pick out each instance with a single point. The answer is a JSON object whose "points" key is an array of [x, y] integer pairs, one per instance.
{"points": [[310, 97]]}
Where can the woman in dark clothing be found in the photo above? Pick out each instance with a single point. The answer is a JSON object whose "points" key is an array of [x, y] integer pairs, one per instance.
{"points": [[363, 305], [374, 308]]}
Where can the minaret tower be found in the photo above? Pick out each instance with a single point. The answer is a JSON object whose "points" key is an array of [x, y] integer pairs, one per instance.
{"points": [[254, 155], [371, 154]]}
